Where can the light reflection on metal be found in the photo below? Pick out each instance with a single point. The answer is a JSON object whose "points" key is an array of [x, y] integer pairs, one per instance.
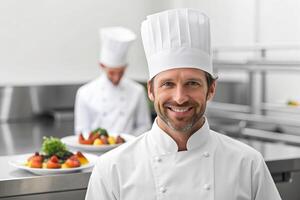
{"points": [[7, 138], [6, 103]]}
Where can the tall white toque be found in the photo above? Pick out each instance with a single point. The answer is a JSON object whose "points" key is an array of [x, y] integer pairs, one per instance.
{"points": [[178, 38], [115, 42]]}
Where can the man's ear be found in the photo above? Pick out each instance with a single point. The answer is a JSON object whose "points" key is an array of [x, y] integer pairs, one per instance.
{"points": [[150, 90], [212, 90]]}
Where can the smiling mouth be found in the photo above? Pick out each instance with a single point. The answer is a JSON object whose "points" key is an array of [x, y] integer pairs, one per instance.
{"points": [[179, 109]]}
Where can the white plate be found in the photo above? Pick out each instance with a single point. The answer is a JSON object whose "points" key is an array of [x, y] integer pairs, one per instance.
{"points": [[72, 142], [20, 164]]}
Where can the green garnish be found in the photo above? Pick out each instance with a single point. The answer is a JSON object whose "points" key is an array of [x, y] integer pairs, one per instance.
{"points": [[101, 131], [53, 146]]}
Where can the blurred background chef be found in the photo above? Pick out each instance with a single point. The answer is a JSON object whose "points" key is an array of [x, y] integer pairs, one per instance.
{"points": [[112, 101]]}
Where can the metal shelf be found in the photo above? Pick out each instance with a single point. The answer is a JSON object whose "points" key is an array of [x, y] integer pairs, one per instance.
{"points": [[257, 110]]}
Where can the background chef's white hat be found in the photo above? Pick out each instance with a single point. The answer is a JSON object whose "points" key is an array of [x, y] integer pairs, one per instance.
{"points": [[178, 38], [115, 42]]}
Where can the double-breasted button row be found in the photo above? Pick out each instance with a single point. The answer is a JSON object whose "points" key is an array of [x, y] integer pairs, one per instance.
{"points": [[163, 189], [206, 154], [157, 159], [206, 186]]}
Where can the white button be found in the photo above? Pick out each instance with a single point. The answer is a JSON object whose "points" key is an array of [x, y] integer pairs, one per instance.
{"points": [[206, 154], [206, 186], [162, 189], [157, 159]]}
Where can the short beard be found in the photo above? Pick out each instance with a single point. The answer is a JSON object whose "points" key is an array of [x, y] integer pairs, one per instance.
{"points": [[186, 129]]}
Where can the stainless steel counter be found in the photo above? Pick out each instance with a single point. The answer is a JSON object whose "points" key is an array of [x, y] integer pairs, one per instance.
{"points": [[19, 138], [27, 136]]}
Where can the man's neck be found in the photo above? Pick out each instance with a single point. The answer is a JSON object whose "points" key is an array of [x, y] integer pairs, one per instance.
{"points": [[179, 137]]}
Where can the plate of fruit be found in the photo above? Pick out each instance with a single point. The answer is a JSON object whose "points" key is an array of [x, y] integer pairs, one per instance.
{"points": [[98, 140], [54, 158]]}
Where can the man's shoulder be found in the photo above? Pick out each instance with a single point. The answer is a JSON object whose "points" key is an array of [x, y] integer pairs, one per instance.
{"points": [[133, 85], [233, 146], [89, 86]]}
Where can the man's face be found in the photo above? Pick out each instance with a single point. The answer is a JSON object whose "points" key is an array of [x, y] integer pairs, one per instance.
{"points": [[180, 97], [114, 74]]}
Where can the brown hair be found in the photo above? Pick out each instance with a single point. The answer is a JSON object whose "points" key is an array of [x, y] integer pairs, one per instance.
{"points": [[210, 79]]}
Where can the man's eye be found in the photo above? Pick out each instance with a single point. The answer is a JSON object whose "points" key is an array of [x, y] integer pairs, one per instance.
{"points": [[167, 84], [193, 83]]}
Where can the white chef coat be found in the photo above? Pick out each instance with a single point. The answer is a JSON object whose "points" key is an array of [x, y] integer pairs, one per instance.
{"points": [[119, 109], [214, 167]]}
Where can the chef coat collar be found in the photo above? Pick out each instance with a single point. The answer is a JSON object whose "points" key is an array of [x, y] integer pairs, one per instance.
{"points": [[163, 143]]}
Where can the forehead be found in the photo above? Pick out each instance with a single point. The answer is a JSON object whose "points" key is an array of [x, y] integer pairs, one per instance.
{"points": [[182, 73]]}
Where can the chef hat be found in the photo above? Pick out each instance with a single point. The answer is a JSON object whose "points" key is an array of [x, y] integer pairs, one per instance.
{"points": [[178, 38], [115, 43]]}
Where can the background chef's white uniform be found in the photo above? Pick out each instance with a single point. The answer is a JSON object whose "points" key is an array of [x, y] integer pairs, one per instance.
{"points": [[119, 109], [214, 167], [100, 104]]}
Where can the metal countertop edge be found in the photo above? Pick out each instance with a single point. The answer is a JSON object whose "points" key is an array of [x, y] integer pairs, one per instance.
{"points": [[44, 184], [79, 181]]}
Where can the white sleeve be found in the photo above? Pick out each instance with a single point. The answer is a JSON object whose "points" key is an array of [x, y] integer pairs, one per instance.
{"points": [[82, 116], [263, 186], [143, 118], [99, 187]]}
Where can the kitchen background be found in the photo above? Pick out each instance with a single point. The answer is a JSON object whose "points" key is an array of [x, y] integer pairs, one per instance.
{"points": [[57, 42], [53, 42], [48, 48]]}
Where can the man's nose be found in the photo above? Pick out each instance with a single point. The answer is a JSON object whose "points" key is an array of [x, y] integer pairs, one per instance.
{"points": [[180, 96]]}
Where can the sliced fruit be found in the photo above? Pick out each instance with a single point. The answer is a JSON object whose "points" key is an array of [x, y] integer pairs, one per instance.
{"points": [[44, 165], [82, 140], [82, 159], [35, 164], [111, 140], [36, 156], [93, 136], [35, 161], [53, 163], [72, 162], [64, 166], [119, 140], [54, 159], [104, 139], [98, 142]]}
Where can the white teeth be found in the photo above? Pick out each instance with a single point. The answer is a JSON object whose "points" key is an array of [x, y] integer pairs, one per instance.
{"points": [[180, 109]]}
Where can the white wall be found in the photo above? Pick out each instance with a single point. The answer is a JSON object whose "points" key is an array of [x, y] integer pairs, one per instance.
{"points": [[54, 41]]}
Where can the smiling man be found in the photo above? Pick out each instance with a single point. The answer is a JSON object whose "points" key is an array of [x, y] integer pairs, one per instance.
{"points": [[180, 97], [180, 157]]}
